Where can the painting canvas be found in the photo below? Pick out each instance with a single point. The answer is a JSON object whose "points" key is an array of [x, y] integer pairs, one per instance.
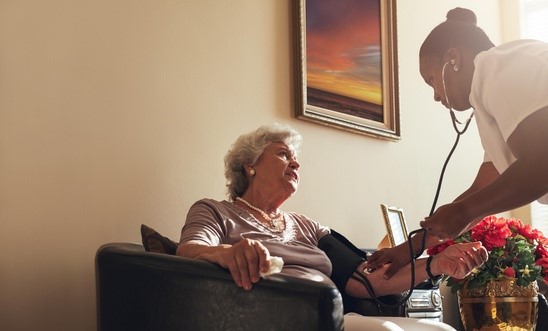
{"points": [[347, 65]]}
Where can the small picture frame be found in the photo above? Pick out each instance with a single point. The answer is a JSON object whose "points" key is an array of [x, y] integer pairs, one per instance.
{"points": [[395, 224]]}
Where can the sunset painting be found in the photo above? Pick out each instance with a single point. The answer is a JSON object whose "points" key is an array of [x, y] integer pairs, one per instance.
{"points": [[343, 57]]}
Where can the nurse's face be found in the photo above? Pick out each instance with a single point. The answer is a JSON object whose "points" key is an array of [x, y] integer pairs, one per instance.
{"points": [[457, 90]]}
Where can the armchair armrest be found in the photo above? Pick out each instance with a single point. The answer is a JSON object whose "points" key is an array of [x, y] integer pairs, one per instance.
{"points": [[138, 290]]}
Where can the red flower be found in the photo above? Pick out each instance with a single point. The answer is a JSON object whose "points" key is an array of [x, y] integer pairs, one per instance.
{"points": [[543, 262], [509, 272], [492, 232], [543, 240], [524, 229], [514, 224], [440, 248], [541, 252]]}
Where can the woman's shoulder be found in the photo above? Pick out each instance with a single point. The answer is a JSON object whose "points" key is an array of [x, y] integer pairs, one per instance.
{"points": [[211, 205], [507, 69], [210, 202], [520, 44], [513, 51]]}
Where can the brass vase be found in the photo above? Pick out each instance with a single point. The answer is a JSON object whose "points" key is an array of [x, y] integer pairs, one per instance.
{"points": [[499, 305]]}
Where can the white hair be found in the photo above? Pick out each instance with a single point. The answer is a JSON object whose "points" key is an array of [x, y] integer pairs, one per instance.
{"points": [[247, 149]]}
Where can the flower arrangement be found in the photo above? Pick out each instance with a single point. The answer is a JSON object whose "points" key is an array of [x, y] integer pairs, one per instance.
{"points": [[515, 251]]}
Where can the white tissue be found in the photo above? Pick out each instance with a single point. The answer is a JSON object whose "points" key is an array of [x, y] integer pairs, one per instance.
{"points": [[276, 265]]}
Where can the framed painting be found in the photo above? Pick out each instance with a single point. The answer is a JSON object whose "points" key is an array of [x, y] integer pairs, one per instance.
{"points": [[346, 67], [395, 224]]}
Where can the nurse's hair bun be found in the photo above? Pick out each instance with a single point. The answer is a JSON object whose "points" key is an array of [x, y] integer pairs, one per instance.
{"points": [[461, 15]]}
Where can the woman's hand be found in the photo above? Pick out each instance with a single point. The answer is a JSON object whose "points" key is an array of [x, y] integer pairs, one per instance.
{"points": [[245, 260], [459, 260], [448, 222], [398, 257]]}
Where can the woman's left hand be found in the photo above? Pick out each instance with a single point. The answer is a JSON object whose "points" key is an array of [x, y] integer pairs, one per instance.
{"points": [[459, 260]]}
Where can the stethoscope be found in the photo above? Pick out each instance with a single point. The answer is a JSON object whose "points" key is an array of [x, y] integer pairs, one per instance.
{"points": [[459, 132]]}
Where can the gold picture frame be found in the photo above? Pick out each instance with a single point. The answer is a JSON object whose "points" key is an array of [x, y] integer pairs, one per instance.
{"points": [[396, 227], [346, 65]]}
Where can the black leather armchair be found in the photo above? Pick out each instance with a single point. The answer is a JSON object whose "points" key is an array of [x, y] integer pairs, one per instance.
{"points": [[138, 290]]}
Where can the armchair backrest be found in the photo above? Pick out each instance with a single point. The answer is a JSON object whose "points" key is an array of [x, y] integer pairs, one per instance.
{"points": [[138, 290]]}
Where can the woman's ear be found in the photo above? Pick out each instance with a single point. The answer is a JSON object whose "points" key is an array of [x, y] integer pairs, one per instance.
{"points": [[453, 56], [249, 170]]}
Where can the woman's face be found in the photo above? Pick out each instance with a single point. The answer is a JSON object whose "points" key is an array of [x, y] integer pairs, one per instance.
{"points": [[277, 169], [457, 87]]}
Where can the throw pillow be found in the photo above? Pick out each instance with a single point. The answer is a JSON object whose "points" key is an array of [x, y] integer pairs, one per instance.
{"points": [[156, 243]]}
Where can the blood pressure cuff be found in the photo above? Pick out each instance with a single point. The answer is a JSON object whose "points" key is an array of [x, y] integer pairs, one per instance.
{"points": [[344, 257]]}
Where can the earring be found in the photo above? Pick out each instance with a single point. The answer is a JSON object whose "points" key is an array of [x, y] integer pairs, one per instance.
{"points": [[252, 172]]}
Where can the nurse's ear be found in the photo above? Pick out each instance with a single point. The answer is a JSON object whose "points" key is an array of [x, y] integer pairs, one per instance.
{"points": [[453, 56], [455, 65]]}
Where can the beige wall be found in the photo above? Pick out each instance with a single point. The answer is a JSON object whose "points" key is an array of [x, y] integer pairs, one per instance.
{"points": [[117, 113]]}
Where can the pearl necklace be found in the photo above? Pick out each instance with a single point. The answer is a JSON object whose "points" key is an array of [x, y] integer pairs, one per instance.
{"points": [[273, 221]]}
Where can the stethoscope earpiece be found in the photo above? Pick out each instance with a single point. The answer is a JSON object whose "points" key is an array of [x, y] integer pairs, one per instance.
{"points": [[451, 112]]}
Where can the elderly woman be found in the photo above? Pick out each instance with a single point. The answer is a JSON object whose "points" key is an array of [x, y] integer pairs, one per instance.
{"points": [[241, 234]]}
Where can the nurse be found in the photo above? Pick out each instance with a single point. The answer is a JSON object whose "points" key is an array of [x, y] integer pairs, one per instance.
{"points": [[507, 87]]}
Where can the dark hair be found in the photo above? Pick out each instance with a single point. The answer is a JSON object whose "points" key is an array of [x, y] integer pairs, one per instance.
{"points": [[459, 31]]}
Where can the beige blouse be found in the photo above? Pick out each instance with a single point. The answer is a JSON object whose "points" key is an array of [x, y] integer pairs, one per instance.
{"points": [[210, 222]]}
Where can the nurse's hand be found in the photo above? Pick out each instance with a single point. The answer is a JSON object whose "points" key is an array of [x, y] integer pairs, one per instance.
{"points": [[398, 257], [447, 222]]}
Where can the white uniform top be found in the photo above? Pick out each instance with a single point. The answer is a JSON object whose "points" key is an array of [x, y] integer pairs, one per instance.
{"points": [[510, 83]]}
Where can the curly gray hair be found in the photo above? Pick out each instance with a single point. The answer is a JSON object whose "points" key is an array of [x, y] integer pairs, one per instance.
{"points": [[247, 149]]}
